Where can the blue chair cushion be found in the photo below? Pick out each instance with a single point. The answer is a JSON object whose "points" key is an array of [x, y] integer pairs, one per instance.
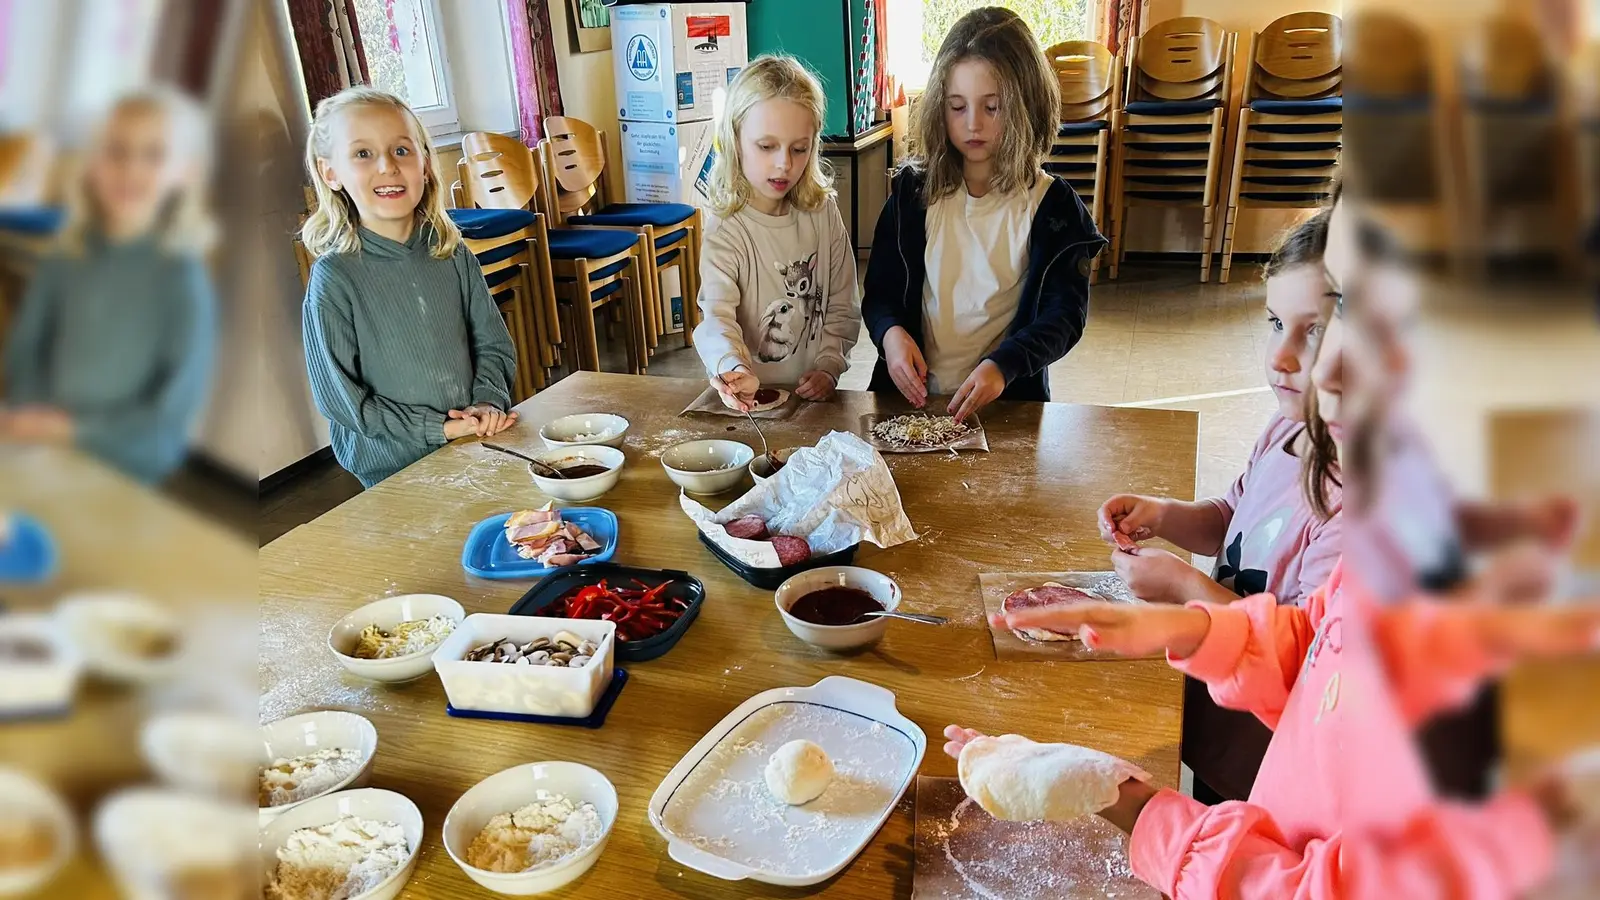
{"points": [[504, 251], [1296, 127], [1054, 166], [483, 224], [1298, 107], [1166, 163], [671, 237], [1187, 128], [1090, 127], [1373, 103], [602, 272], [1167, 195], [1171, 107], [605, 290], [666, 258], [32, 220], [588, 243], [662, 214]]}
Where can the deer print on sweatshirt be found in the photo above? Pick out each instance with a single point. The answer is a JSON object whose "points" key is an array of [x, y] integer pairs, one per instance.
{"points": [[796, 317]]}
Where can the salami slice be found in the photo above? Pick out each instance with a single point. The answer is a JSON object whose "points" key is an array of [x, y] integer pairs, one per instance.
{"points": [[750, 528], [791, 550], [1048, 594]]}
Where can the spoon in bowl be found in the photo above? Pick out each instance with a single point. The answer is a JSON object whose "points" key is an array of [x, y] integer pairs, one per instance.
{"points": [[539, 468], [923, 618]]}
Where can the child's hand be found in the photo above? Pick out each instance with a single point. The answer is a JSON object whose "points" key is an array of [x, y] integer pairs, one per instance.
{"points": [[815, 385], [738, 388], [979, 390], [459, 425], [1538, 631], [1157, 576], [491, 421], [1134, 516], [906, 365], [1554, 520], [1121, 628], [37, 424], [957, 739]]}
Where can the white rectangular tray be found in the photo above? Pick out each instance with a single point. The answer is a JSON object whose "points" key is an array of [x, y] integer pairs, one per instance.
{"points": [[718, 817]]}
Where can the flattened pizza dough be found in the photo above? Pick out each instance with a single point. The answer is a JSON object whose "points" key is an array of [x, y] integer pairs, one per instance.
{"points": [[766, 399], [1048, 594], [1017, 780]]}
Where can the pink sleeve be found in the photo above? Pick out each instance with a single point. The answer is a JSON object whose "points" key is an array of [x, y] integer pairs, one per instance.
{"points": [[1186, 849], [1433, 655], [1251, 654], [1229, 502], [1321, 554]]}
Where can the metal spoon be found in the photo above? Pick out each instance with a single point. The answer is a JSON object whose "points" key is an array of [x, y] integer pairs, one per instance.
{"points": [[766, 452], [549, 471], [924, 618]]}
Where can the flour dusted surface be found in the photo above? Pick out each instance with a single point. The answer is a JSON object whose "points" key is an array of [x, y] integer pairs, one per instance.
{"points": [[546, 831], [339, 860]]}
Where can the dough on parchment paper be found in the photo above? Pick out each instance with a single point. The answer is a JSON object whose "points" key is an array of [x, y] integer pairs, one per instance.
{"points": [[783, 397], [1017, 780], [799, 772]]}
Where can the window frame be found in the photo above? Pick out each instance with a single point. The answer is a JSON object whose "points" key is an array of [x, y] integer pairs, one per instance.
{"points": [[442, 118]]}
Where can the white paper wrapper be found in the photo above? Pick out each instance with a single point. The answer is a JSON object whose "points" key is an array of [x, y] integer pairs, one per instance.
{"points": [[834, 495]]}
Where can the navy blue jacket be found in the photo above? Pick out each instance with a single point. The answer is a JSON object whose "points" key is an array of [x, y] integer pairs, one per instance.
{"points": [[1051, 312]]}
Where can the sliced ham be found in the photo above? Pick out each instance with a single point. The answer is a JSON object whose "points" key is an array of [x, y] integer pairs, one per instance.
{"points": [[1048, 594], [565, 559], [588, 543]]}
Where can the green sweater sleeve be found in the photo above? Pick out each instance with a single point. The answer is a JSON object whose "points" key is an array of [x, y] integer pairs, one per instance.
{"points": [[26, 348], [334, 366], [494, 357], [149, 438]]}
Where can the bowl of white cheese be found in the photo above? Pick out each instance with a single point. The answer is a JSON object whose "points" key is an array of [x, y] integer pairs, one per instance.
{"points": [[359, 844], [531, 828]]}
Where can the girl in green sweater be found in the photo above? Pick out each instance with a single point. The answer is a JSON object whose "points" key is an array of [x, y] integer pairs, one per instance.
{"points": [[112, 346], [405, 348]]}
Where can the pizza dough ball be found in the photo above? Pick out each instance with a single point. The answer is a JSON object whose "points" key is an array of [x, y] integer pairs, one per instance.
{"points": [[799, 772], [1017, 780]]}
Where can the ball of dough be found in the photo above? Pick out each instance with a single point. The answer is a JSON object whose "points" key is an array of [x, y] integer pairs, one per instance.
{"points": [[799, 772]]}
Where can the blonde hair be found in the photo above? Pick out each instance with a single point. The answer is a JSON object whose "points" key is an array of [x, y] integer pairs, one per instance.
{"points": [[333, 227], [769, 77], [1030, 103], [185, 226]]}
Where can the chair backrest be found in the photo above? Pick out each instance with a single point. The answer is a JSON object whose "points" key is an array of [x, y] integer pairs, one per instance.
{"points": [[1086, 71], [1389, 56], [1506, 61], [497, 172], [1302, 46], [1182, 50], [577, 159]]}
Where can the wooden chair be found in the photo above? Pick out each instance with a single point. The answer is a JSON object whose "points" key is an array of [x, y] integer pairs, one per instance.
{"points": [[589, 269], [1584, 79], [1515, 152], [1291, 119], [574, 159], [1169, 132], [1090, 76]]}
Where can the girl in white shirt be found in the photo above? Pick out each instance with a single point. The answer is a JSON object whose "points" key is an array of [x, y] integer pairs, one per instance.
{"points": [[979, 273], [778, 296]]}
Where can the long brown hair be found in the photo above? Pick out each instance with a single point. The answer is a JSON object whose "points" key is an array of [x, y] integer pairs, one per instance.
{"points": [[1319, 464], [1030, 103]]}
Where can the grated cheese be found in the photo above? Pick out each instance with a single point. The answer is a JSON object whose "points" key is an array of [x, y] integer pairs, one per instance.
{"points": [[919, 431], [407, 638]]}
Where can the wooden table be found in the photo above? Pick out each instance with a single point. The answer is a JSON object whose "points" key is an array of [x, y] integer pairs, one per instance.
{"points": [[1027, 505], [114, 534]]}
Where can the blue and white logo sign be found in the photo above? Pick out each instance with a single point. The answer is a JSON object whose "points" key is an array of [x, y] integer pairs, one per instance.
{"points": [[642, 57]]}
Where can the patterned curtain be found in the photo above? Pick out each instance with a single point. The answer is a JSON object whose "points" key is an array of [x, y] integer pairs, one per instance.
{"points": [[1123, 20], [331, 57], [533, 55]]}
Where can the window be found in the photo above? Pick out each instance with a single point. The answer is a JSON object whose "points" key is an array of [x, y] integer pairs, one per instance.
{"points": [[917, 27], [405, 51]]}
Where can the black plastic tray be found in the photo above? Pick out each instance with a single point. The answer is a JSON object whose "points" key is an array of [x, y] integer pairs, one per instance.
{"points": [[684, 586], [770, 579]]}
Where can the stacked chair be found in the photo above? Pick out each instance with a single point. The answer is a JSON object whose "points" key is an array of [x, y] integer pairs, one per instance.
{"points": [[1090, 77], [586, 270], [1585, 81], [1291, 117], [574, 160], [1169, 134]]}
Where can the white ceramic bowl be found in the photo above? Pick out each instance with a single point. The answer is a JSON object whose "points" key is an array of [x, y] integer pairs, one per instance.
{"points": [[386, 614], [760, 470], [580, 490], [707, 467], [838, 637], [96, 624], [38, 688], [512, 789], [20, 793], [312, 731], [366, 803], [584, 429], [152, 838], [205, 752], [525, 690]]}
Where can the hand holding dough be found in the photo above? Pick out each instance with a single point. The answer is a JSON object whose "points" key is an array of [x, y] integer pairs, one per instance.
{"points": [[799, 772], [1017, 780]]}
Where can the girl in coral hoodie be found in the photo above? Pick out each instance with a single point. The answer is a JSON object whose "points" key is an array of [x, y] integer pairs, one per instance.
{"points": [[1342, 806]]}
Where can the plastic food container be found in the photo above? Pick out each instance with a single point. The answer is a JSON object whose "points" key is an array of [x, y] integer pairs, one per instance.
{"points": [[487, 553], [45, 687], [772, 579], [682, 585], [525, 690]]}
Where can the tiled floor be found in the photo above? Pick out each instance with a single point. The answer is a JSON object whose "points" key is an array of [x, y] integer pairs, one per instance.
{"points": [[1156, 338]]}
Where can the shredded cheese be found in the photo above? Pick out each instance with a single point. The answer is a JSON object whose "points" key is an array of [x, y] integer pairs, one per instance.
{"points": [[919, 431]]}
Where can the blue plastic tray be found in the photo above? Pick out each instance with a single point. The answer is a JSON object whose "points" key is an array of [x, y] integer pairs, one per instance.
{"points": [[30, 556], [593, 720], [487, 553]]}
